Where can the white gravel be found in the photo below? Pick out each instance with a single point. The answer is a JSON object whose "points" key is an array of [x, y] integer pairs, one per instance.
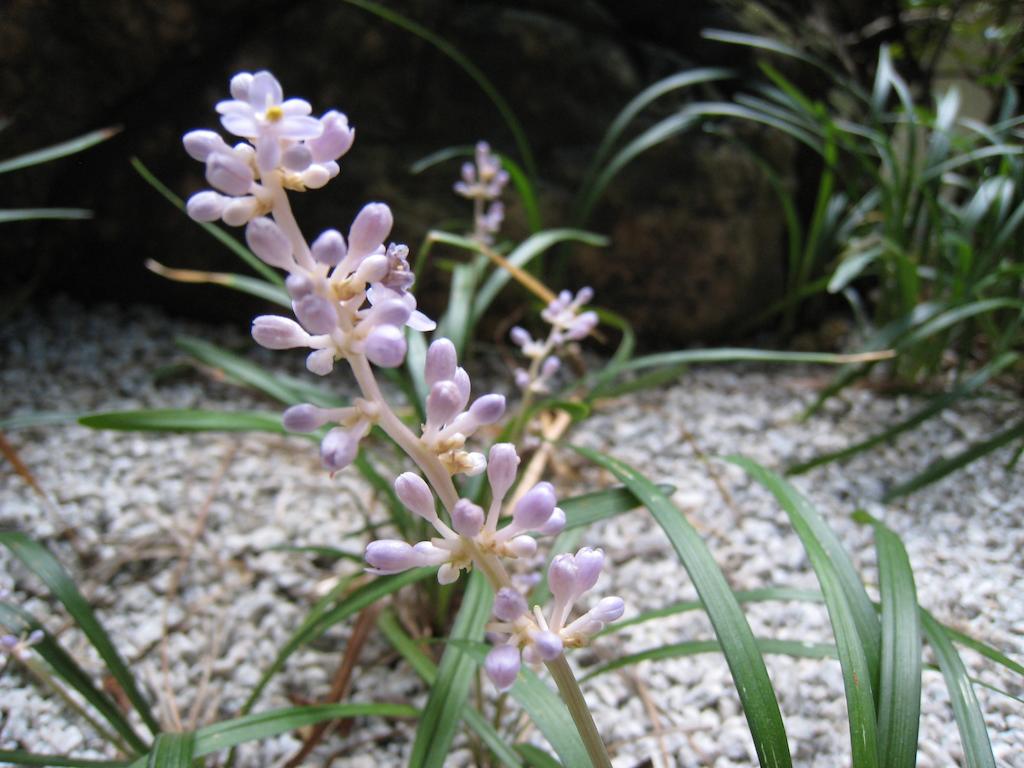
{"points": [[127, 507]]}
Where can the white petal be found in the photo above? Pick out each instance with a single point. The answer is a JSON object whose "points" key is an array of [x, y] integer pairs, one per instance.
{"points": [[298, 128], [265, 91], [295, 107], [420, 322], [240, 125], [233, 106]]}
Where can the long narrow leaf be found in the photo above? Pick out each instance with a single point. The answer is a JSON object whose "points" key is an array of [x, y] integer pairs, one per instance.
{"points": [[65, 148], [58, 761], [444, 707], [44, 565], [172, 750], [425, 668], [858, 647], [969, 719], [731, 627], [184, 420], [8, 215]]}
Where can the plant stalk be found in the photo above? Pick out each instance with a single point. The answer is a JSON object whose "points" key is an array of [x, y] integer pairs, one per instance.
{"points": [[573, 698]]}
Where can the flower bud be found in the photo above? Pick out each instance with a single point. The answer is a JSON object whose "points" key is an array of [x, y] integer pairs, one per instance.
{"points": [[320, 361], [268, 241], [315, 177], [562, 577], [391, 312], [522, 378], [373, 268], [201, 144], [274, 332], [304, 418], [520, 336], [502, 666], [442, 403], [441, 362], [584, 295], [329, 248], [298, 285], [335, 139], [240, 210], [550, 367], [339, 448], [461, 379], [391, 556], [548, 645], [522, 546], [608, 609], [297, 158], [488, 408], [228, 173], [475, 463], [467, 518], [509, 604], [316, 313], [240, 85], [447, 574], [534, 508], [588, 568], [370, 228], [385, 346], [415, 494], [205, 206], [582, 326], [554, 525], [501, 468]]}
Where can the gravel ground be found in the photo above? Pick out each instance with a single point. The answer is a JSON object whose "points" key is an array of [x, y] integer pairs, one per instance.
{"points": [[175, 536]]}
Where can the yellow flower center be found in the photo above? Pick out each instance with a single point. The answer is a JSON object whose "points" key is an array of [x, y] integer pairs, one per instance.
{"points": [[274, 113]]}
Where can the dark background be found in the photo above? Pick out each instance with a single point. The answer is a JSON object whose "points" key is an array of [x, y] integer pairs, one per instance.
{"points": [[697, 238]]}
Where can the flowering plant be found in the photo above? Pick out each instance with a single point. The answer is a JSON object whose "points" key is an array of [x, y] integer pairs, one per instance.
{"points": [[476, 518]]}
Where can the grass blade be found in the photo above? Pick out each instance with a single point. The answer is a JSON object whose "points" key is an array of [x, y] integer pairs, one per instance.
{"points": [[323, 616], [731, 627], [546, 710], [455, 324], [59, 761], [739, 354], [795, 648], [214, 231], [172, 750], [19, 622], [899, 693], [425, 668], [8, 215], [447, 699], [253, 286], [184, 420], [263, 725], [854, 624], [969, 720], [529, 249], [63, 149], [44, 565], [537, 758], [939, 469]]}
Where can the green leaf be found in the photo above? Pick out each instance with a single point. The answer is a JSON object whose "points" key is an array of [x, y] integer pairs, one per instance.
{"points": [[286, 389], [449, 50], [20, 622], [17, 757], [214, 231], [621, 356], [546, 710], [732, 355], [38, 419], [588, 508], [730, 625], [795, 648], [939, 469], [857, 636], [851, 266], [44, 565], [524, 253], [455, 323], [537, 758], [8, 215], [425, 668], [448, 695], [969, 719], [325, 614], [899, 695], [263, 725], [65, 148], [184, 420], [172, 750]]}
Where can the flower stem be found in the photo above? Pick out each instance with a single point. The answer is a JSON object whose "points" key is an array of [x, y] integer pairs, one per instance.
{"points": [[573, 698]]}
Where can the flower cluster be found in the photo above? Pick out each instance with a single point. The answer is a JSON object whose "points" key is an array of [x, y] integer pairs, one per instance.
{"points": [[568, 323], [18, 647], [449, 422], [534, 638], [285, 146], [483, 183]]}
